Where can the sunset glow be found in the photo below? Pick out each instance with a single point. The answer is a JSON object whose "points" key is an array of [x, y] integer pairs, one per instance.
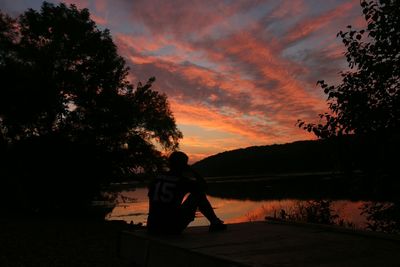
{"points": [[236, 73]]}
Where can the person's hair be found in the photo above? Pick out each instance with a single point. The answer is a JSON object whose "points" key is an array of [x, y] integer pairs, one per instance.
{"points": [[178, 160]]}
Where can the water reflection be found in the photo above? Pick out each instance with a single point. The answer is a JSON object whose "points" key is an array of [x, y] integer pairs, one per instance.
{"points": [[133, 207]]}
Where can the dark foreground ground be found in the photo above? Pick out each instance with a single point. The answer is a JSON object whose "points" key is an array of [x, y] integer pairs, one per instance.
{"points": [[59, 243], [263, 244]]}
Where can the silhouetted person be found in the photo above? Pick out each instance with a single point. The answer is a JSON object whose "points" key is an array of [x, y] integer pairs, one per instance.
{"points": [[168, 213]]}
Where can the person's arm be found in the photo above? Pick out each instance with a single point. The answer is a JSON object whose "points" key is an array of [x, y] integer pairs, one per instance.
{"points": [[200, 179]]}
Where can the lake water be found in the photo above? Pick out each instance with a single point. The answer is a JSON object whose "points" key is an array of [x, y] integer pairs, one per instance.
{"points": [[133, 207]]}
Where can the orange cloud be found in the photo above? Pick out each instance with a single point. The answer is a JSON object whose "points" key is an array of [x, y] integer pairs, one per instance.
{"points": [[211, 118], [247, 132]]}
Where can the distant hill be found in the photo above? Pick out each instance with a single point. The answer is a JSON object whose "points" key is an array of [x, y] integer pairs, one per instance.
{"points": [[300, 156]]}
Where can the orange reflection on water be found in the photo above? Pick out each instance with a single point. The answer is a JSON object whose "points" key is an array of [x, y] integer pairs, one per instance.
{"points": [[233, 210], [134, 210], [237, 211]]}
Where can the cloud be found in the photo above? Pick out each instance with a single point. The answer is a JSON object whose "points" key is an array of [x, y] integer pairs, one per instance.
{"points": [[101, 6], [272, 77], [308, 26], [287, 9], [99, 20], [78, 3], [184, 19]]}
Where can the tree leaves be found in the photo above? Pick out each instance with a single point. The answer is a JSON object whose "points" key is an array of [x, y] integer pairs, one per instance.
{"points": [[367, 99], [61, 75]]}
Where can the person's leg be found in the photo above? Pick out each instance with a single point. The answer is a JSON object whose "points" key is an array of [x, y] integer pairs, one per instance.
{"points": [[198, 201], [206, 209], [188, 210]]}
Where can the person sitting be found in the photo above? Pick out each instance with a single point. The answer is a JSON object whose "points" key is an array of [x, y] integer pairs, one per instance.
{"points": [[169, 213]]}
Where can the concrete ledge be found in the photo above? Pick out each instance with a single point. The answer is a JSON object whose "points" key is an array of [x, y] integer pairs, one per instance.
{"points": [[261, 244], [338, 229], [142, 249]]}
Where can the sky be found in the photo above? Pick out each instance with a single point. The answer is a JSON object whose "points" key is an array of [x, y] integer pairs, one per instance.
{"points": [[237, 73]]}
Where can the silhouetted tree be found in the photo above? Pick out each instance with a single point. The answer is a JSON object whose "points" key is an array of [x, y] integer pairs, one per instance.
{"points": [[367, 101], [64, 85]]}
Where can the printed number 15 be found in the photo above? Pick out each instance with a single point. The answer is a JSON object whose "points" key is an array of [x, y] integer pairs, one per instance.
{"points": [[164, 192]]}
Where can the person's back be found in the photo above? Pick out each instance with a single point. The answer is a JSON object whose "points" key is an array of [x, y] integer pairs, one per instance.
{"points": [[168, 213], [166, 193]]}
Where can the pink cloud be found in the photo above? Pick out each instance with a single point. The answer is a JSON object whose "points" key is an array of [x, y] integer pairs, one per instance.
{"points": [[99, 20], [182, 17], [139, 44], [308, 26], [101, 5], [79, 3], [287, 9], [252, 54]]}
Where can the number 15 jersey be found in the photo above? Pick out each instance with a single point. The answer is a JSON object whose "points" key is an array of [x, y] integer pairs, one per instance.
{"points": [[166, 194]]}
